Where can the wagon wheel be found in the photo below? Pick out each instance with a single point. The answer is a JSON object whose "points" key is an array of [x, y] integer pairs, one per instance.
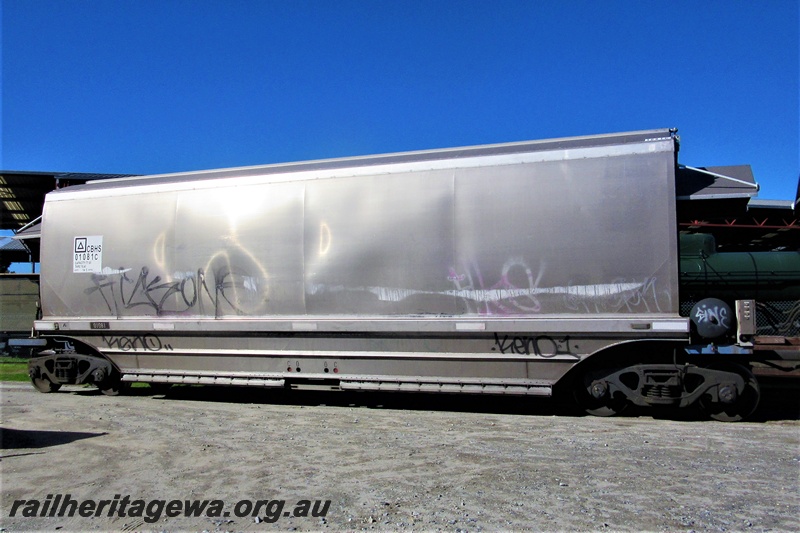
{"points": [[740, 404], [594, 398], [43, 384]]}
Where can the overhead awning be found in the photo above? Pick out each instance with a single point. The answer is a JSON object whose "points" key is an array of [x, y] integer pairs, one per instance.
{"points": [[24, 245], [32, 231], [712, 183], [22, 193]]}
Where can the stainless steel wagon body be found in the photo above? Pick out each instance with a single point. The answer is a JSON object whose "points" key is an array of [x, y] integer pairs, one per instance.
{"points": [[483, 269]]}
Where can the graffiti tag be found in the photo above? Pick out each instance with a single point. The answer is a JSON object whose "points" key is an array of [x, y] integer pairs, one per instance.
{"points": [[538, 345], [717, 315], [147, 343], [220, 290]]}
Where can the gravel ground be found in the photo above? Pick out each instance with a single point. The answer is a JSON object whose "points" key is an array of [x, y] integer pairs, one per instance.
{"points": [[396, 462]]}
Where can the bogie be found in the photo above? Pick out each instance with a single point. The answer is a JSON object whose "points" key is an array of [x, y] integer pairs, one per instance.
{"points": [[53, 368], [724, 391]]}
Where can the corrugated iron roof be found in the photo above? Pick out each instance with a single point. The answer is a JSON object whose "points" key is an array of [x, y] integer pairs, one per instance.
{"points": [[13, 251]]}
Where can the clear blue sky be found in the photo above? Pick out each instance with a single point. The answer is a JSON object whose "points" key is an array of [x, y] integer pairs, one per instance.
{"points": [[152, 86]]}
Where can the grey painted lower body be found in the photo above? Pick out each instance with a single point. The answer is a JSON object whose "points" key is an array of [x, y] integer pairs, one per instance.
{"points": [[471, 362]]}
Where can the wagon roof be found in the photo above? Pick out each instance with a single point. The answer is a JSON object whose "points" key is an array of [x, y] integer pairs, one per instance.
{"points": [[562, 145]]}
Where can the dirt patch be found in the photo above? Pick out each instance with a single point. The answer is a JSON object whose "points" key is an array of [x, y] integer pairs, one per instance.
{"points": [[395, 462]]}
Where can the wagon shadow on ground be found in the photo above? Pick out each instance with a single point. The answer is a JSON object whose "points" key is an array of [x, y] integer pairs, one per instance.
{"points": [[13, 439], [779, 401]]}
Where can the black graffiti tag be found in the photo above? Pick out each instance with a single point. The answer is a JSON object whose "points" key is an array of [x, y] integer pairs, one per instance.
{"points": [[538, 345], [147, 343], [119, 291]]}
